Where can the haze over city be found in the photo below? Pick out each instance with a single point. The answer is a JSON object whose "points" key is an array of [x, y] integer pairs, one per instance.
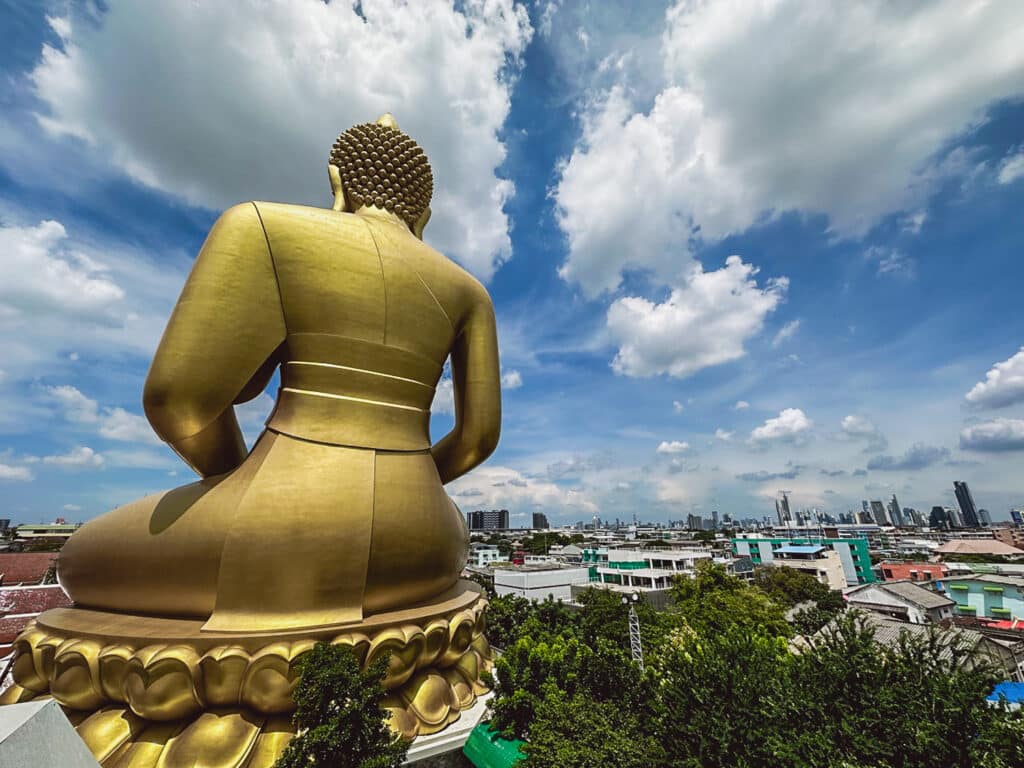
{"points": [[718, 272]]}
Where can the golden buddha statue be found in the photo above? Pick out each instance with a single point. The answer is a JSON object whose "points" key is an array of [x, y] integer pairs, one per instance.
{"points": [[191, 606]]}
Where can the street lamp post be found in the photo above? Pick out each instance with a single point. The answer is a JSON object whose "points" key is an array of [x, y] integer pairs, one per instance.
{"points": [[635, 644]]}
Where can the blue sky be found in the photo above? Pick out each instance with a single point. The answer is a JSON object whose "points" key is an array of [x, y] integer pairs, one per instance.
{"points": [[734, 248]]}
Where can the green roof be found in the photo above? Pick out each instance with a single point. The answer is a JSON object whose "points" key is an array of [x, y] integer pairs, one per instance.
{"points": [[486, 749]]}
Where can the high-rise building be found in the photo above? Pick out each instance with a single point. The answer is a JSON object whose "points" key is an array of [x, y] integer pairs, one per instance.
{"points": [[782, 510], [1017, 516], [540, 521], [966, 502], [694, 522], [956, 520], [714, 520], [984, 517], [937, 519], [895, 513], [878, 512], [487, 519]]}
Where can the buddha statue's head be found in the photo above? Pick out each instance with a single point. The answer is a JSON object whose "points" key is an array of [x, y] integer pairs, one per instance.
{"points": [[375, 165]]}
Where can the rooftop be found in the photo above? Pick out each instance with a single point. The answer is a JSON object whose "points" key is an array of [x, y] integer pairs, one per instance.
{"points": [[977, 547], [907, 590]]}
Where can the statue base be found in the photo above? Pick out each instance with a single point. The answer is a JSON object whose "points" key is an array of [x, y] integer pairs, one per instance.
{"points": [[147, 691]]}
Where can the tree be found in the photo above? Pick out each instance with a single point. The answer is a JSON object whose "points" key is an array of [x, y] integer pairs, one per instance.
{"points": [[584, 733], [713, 601], [505, 617], [338, 714], [790, 587]]}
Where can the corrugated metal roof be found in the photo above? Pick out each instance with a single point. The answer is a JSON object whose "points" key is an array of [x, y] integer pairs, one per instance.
{"points": [[915, 594]]}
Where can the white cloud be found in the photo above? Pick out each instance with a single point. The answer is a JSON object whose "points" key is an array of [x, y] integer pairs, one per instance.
{"points": [[71, 508], [56, 295], [861, 428], [721, 434], [490, 487], [994, 435], [511, 380], [20, 474], [444, 397], [913, 222], [741, 405], [1003, 384], [1012, 168], [111, 423], [891, 261], [705, 321], [786, 332], [255, 119], [673, 446], [791, 425], [677, 406], [79, 457], [743, 129], [42, 276]]}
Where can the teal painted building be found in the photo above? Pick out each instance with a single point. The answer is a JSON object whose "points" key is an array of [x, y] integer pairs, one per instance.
{"points": [[987, 596], [853, 553]]}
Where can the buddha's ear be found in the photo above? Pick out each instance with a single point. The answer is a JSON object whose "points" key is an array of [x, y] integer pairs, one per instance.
{"points": [[421, 223], [338, 189]]}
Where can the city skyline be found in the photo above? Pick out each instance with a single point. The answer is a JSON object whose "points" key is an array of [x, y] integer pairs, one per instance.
{"points": [[715, 278]]}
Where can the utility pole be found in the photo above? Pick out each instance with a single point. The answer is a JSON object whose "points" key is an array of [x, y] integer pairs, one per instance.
{"points": [[635, 644]]}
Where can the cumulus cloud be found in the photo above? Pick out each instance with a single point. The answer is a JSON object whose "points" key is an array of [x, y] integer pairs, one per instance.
{"points": [[721, 434], [790, 426], [444, 397], [677, 406], [917, 456], [861, 428], [503, 487], [43, 276], [1003, 384], [743, 130], [256, 118], [741, 405], [673, 446], [1012, 168], [785, 332], [705, 321], [995, 435], [56, 293], [511, 379], [111, 423], [19, 474], [76, 458]]}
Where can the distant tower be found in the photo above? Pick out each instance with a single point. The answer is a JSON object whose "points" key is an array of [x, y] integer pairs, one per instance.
{"points": [[895, 514], [937, 519], [878, 512], [966, 503], [984, 517], [1017, 516]]}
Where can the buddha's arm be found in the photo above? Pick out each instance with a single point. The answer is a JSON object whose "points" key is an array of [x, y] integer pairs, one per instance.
{"points": [[477, 380], [221, 337]]}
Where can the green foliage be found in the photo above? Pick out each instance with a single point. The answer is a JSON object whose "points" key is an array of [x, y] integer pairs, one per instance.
{"points": [[505, 617], [789, 587], [486, 583], [528, 670], [705, 536], [584, 733], [713, 601], [338, 714]]}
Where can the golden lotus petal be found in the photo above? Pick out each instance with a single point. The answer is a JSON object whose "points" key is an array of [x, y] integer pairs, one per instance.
{"points": [[223, 669], [357, 641], [271, 677], [105, 730], [460, 632], [405, 645], [113, 667], [277, 732], [213, 740], [76, 675], [160, 682]]}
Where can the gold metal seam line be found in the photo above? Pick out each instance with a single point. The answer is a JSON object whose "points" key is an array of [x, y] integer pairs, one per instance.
{"points": [[354, 399], [357, 370]]}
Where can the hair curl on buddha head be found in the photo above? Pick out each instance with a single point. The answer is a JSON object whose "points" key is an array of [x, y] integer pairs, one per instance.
{"points": [[383, 167]]}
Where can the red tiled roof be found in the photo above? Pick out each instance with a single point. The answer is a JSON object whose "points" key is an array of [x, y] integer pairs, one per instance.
{"points": [[24, 567], [19, 605], [20, 600]]}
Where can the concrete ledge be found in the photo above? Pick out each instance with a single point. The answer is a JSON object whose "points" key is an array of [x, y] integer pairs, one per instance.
{"points": [[445, 747], [38, 734]]}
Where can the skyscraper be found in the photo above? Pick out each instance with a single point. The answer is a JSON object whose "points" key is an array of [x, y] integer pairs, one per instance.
{"points": [[878, 512], [937, 519], [895, 513], [966, 502], [782, 510], [540, 521], [1017, 516], [984, 517]]}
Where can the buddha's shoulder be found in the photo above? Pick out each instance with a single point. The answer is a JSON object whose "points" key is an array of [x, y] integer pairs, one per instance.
{"points": [[284, 214]]}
